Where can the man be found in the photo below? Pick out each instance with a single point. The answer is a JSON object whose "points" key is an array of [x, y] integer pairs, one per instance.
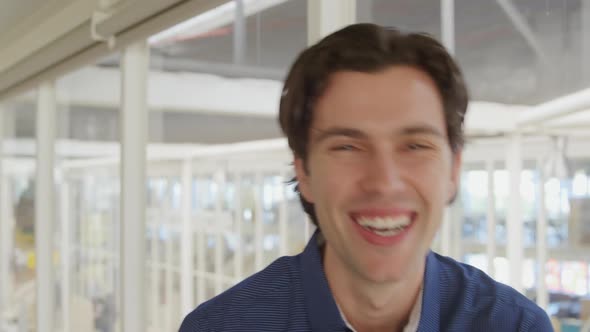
{"points": [[374, 118]]}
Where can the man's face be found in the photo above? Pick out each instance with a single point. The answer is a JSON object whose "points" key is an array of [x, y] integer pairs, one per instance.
{"points": [[379, 171]]}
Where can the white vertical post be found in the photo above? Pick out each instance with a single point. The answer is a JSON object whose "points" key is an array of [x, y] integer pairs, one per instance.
{"points": [[5, 232], [65, 253], [133, 159], [239, 33], [456, 219], [220, 229], [4, 256], [167, 245], [327, 16], [239, 254], [491, 218], [44, 204], [514, 223], [218, 261], [6, 214], [168, 262], [6, 243], [585, 40], [82, 239], [92, 276], [542, 295], [258, 220], [446, 233], [238, 215], [447, 19], [186, 245], [202, 229], [284, 240], [155, 275]]}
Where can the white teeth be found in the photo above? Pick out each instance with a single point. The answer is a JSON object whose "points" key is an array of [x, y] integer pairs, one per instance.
{"points": [[385, 223], [388, 232]]}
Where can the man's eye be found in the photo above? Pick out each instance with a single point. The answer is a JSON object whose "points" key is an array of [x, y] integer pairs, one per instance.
{"points": [[344, 147], [416, 147]]}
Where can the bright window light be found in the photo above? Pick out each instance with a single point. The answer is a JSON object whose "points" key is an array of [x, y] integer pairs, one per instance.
{"points": [[580, 184]]}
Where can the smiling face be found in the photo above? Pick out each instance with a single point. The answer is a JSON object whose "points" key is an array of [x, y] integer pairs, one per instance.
{"points": [[379, 170]]}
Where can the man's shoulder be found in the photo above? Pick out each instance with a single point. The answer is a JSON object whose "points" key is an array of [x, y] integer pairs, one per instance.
{"points": [[255, 298], [471, 292]]}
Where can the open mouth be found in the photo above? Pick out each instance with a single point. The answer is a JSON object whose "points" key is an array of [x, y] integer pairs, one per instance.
{"points": [[385, 226], [383, 229]]}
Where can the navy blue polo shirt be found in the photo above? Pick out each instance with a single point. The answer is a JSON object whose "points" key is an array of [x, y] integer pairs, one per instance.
{"points": [[292, 294]]}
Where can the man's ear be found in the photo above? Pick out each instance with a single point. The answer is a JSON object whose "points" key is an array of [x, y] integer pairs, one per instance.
{"points": [[455, 176], [302, 175]]}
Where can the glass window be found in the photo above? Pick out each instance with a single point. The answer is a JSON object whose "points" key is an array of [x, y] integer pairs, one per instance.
{"points": [[18, 181], [408, 15], [216, 79], [88, 129]]}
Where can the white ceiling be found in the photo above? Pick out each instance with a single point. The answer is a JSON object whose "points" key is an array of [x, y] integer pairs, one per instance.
{"points": [[14, 11]]}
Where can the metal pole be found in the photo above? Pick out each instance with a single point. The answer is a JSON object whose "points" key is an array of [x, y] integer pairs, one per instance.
{"points": [[446, 233], [239, 33], [447, 19], [133, 159], [327, 16], [283, 226], [155, 274], [542, 295], [187, 263], [85, 249], [82, 240], [585, 41], [167, 264], [4, 256], [168, 226], [258, 220], [491, 219], [202, 231], [456, 220], [514, 223], [239, 255], [44, 203], [65, 254], [219, 179]]}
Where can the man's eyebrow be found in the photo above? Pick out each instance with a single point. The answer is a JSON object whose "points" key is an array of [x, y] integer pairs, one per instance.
{"points": [[422, 129], [324, 134]]}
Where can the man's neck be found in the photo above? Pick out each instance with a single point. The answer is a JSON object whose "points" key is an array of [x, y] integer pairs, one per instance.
{"points": [[370, 306]]}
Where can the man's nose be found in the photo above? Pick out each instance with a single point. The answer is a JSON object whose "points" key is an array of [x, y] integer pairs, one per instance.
{"points": [[383, 175]]}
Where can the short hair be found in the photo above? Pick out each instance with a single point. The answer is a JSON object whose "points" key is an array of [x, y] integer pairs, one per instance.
{"points": [[366, 48]]}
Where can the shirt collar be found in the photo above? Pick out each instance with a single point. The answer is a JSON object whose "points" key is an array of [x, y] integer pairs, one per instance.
{"points": [[321, 307], [323, 312], [430, 315], [413, 321]]}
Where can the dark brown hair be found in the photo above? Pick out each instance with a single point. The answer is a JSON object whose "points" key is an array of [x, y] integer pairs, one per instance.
{"points": [[366, 48]]}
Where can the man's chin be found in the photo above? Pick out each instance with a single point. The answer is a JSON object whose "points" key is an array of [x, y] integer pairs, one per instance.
{"points": [[386, 276]]}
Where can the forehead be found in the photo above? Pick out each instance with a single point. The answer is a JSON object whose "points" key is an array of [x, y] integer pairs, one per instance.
{"points": [[396, 97]]}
